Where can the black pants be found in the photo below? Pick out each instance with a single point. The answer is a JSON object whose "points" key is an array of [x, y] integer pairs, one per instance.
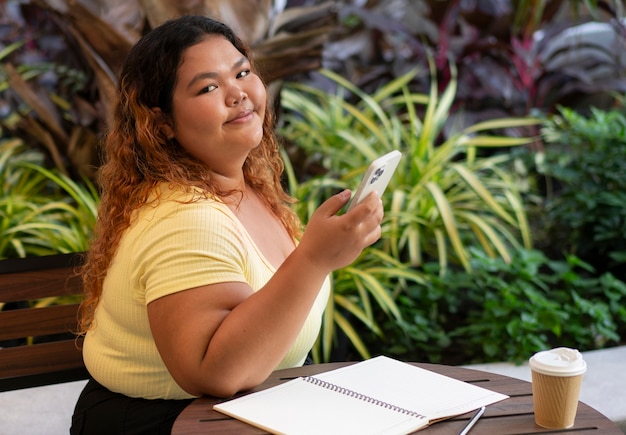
{"points": [[100, 411]]}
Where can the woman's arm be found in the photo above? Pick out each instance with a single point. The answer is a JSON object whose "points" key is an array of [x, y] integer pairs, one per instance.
{"points": [[223, 338]]}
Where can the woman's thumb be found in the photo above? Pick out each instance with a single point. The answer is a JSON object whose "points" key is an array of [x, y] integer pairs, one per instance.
{"points": [[336, 202]]}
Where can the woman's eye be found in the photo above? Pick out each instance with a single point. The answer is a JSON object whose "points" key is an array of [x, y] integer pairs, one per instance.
{"points": [[243, 73], [207, 89]]}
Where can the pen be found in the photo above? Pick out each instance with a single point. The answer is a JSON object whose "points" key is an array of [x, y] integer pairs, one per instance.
{"points": [[473, 421]]}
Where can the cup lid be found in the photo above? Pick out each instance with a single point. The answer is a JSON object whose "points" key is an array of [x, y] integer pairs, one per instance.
{"points": [[561, 361]]}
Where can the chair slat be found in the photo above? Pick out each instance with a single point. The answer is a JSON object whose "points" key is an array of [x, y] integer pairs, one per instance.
{"points": [[42, 364], [38, 321], [40, 358], [57, 261], [26, 286]]}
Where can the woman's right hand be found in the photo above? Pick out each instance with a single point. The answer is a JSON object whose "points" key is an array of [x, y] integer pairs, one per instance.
{"points": [[333, 241]]}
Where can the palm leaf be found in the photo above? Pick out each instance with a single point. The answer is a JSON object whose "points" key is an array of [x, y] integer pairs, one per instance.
{"points": [[447, 217], [479, 188], [349, 331]]}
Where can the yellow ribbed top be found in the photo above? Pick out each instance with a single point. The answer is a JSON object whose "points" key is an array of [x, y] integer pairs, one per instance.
{"points": [[169, 248]]}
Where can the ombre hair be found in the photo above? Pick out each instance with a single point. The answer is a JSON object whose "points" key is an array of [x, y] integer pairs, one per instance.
{"points": [[138, 156]]}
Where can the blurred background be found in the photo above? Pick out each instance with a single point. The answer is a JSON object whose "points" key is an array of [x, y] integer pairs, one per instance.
{"points": [[506, 221]]}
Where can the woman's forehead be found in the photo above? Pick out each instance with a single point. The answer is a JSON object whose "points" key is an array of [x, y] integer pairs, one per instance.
{"points": [[211, 56]]}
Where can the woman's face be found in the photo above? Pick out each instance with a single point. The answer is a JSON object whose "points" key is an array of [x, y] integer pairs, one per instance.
{"points": [[218, 105]]}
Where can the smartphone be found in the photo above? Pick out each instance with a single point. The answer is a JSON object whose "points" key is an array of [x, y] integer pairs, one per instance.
{"points": [[377, 177]]}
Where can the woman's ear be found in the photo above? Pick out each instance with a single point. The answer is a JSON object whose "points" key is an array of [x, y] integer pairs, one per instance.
{"points": [[165, 122]]}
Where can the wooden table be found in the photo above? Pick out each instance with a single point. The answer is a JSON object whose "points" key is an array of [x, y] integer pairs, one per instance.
{"points": [[510, 416]]}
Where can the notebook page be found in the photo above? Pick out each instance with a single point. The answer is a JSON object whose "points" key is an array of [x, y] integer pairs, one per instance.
{"points": [[298, 407], [413, 388]]}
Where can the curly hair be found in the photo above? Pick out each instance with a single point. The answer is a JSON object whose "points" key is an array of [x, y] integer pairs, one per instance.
{"points": [[138, 156]]}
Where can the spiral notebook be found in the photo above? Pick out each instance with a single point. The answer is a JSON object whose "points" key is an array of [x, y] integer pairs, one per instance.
{"points": [[380, 396]]}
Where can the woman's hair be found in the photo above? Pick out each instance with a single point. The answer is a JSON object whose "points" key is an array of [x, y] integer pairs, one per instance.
{"points": [[138, 156]]}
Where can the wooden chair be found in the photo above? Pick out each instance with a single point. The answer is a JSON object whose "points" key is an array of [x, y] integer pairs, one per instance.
{"points": [[38, 346]]}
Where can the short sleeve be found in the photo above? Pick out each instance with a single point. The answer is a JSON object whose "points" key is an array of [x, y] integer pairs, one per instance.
{"points": [[179, 246]]}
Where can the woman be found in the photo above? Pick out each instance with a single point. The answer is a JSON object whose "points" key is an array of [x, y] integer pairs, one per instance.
{"points": [[199, 280]]}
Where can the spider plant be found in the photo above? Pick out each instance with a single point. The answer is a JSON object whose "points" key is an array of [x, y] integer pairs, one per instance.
{"points": [[42, 211], [444, 197]]}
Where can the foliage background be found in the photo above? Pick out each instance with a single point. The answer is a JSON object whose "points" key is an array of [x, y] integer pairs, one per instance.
{"points": [[486, 254]]}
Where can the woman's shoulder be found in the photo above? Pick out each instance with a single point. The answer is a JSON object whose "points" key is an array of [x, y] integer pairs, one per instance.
{"points": [[169, 192], [167, 201]]}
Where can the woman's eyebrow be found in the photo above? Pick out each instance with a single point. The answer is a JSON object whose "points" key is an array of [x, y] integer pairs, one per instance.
{"points": [[211, 75]]}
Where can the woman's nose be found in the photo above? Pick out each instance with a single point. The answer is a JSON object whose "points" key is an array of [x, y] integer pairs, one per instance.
{"points": [[236, 96]]}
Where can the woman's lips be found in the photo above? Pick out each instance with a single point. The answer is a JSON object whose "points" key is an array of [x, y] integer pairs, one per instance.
{"points": [[243, 116]]}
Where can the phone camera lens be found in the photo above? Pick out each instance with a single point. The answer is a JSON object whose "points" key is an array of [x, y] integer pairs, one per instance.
{"points": [[377, 175]]}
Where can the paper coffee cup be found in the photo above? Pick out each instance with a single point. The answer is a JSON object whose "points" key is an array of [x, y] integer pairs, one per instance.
{"points": [[557, 375]]}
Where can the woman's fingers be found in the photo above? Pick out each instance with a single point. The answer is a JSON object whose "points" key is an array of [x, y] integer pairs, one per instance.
{"points": [[335, 241]]}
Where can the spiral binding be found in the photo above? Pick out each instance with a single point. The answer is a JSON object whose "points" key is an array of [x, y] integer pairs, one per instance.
{"points": [[351, 393]]}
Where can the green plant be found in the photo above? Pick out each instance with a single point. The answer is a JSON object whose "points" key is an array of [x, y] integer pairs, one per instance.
{"points": [[374, 279], [507, 311], [444, 197], [42, 211], [584, 171]]}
